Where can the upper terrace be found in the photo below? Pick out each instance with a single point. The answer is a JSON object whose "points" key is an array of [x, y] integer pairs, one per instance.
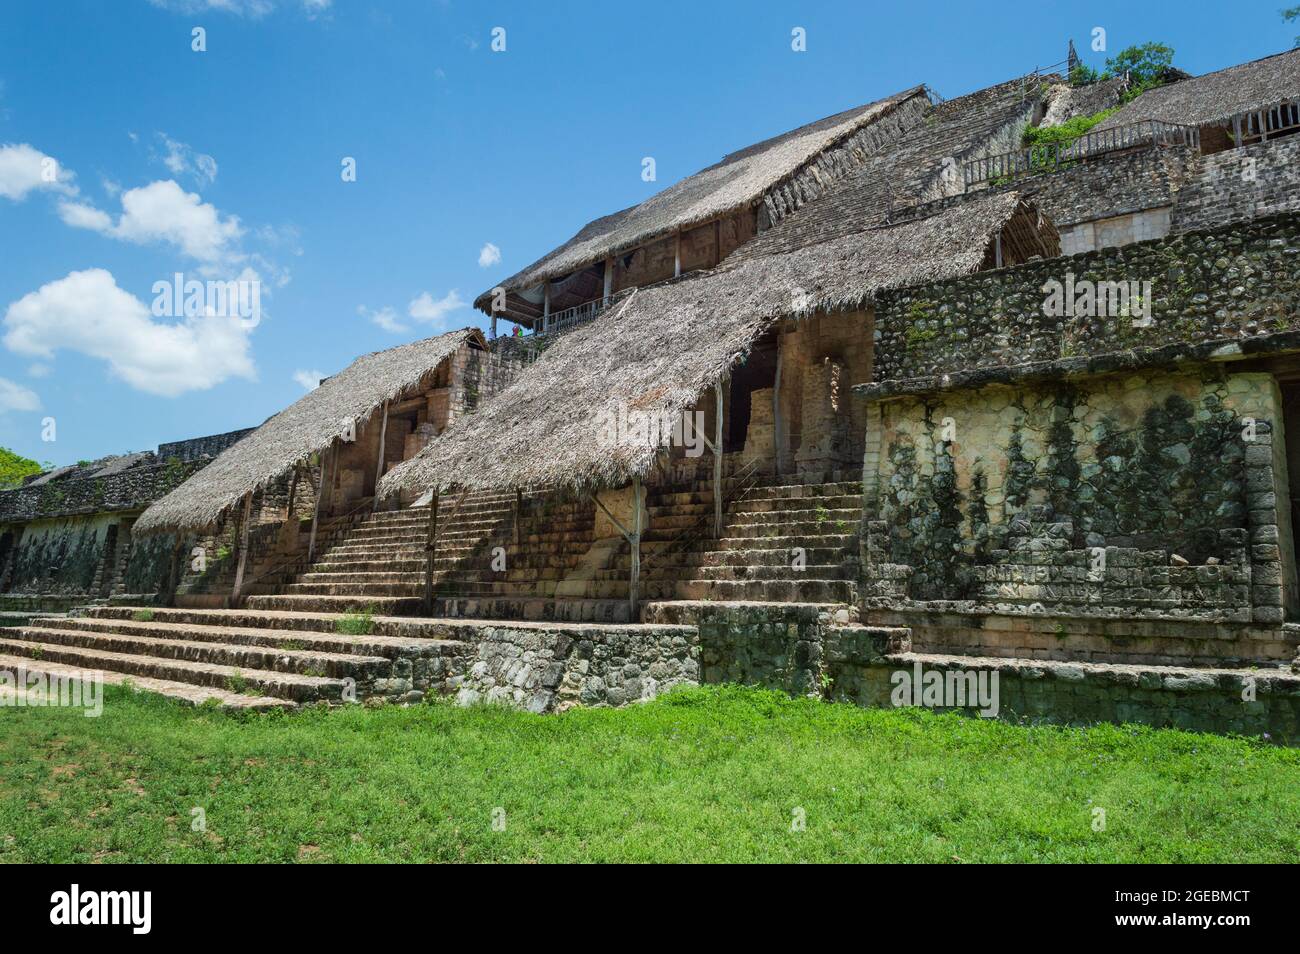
{"points": [[699, 221]]}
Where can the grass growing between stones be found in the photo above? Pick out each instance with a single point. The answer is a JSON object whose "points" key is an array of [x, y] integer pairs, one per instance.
{"points": [[711, 774]]}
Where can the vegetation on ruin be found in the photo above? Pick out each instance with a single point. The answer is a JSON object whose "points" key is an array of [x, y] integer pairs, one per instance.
{"points": [[712, 774], [360, 623], [1147, 66], [1063, 133], [14, 467]]}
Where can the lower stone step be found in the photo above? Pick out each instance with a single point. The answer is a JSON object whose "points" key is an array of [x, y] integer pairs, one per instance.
{"points": [[182, 691], [283, 685], [313, 603]]}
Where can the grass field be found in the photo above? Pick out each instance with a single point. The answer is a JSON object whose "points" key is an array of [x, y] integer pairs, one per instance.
{"points": [[715, 774]]}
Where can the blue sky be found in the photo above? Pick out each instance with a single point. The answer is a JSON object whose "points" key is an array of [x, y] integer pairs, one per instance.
{"points": [[227, 163]]}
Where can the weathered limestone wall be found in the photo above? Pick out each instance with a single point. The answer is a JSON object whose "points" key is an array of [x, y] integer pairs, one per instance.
{"points": [[131, 489], [1116, 230], [1248, 183], [796, 647], [1144, 494], [546, 667], [1211, 292], [195, 448], [61, 556], [1082, 694]]}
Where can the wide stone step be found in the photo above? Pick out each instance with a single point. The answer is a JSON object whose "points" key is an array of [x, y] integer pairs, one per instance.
{"points": [[356, 589], [223, 626], [411, 578], [298, 619], [841, 541], [158, 643], [775, 591], [803, 528], [828, 502], [814, 556], [318, 603], [816, 516], [825, 571], [576, 610], [188, 693], [283, 685]]}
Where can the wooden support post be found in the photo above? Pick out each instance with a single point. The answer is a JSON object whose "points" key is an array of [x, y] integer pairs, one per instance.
{"points": [[997, 250], [430, 543], [293, 492], [717, 241], [243, 549], [325, 457], [609, 280], [519, 506], [494, 324], [677, 255], [379, 465], [717, 463], [776, 404], [634, 581], [546, 306]]}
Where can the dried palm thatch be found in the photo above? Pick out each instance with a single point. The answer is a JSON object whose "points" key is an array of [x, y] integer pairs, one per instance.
{"points": [[1217, 97], [310, 425], [652, 356], [740, 180]]}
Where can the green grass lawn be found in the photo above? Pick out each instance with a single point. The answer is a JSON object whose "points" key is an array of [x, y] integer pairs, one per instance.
{"points": [[713, 774]]}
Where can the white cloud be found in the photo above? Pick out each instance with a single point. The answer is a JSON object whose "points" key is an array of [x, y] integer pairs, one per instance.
{"points": [[24, 169], [427, 311], [310, 380], [38, 370], [385, 318], [253, 9], [81, 215], [164, 212], [87, 312], [15, 397], [423, 309], [181, 160], [488, 256]]}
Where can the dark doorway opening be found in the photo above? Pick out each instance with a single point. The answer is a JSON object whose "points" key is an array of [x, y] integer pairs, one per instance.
{"points": [[758, 372]]}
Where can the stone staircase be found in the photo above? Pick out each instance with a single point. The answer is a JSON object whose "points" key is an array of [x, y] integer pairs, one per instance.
{"points": [[764, 529], [255, 659], [379, 564], [240, 659], [781, 542]]}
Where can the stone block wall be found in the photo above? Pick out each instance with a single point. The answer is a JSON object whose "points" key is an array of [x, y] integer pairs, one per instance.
{"points": [[1233, 288], [1248, 183], [198, 447], [1265, 705], [1142, 494], [547, 667], [795, 647], [1117, 230]]}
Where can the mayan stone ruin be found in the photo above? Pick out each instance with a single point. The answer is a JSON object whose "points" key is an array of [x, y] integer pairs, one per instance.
{"points": [[911, 387]]}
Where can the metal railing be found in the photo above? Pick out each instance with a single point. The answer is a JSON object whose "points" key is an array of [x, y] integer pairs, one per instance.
{"points": [[579, 314], [1051, 156]]}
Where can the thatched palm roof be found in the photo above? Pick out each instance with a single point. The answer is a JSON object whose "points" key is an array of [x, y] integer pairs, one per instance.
{"points": [[1217, 97], [666, 343], [740, 180], [308, 426], [922, 166]]}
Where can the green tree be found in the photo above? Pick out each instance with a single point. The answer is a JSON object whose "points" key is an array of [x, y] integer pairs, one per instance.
{"points": [[1147, 67], [13, 468], [1290, 15]]}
